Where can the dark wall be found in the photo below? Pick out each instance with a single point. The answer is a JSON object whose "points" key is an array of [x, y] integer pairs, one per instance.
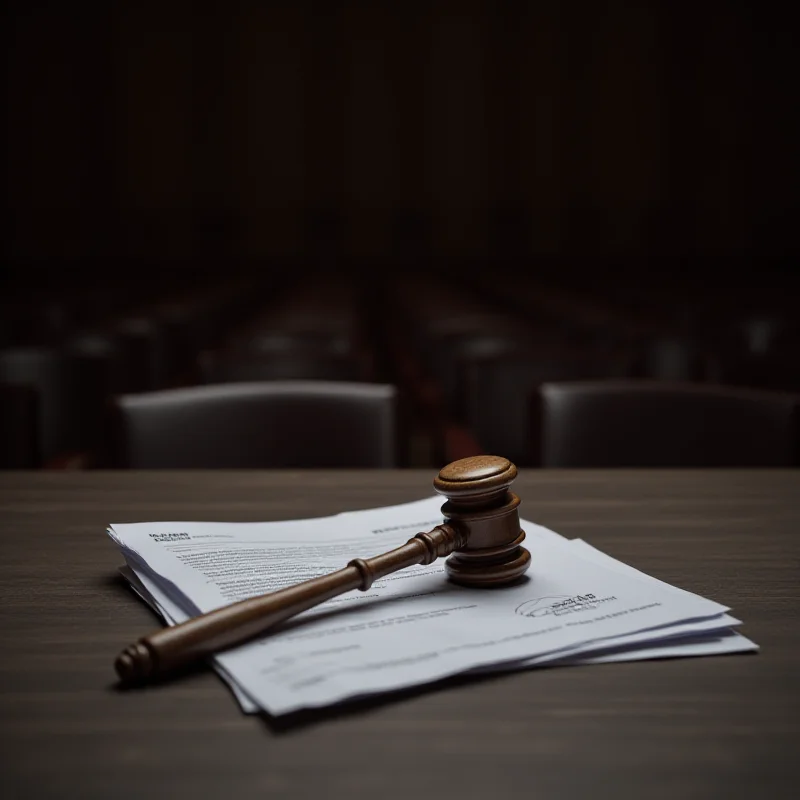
{"points": [[188, 133]]}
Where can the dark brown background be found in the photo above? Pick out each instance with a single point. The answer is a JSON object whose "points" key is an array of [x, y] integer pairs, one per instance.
{"points": [[592, 134]]}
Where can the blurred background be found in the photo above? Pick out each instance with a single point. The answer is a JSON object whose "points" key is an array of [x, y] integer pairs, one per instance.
{"points": [[461, 199]]}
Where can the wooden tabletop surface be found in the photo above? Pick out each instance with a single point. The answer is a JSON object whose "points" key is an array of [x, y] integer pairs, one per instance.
{"points": [[719, 727]]}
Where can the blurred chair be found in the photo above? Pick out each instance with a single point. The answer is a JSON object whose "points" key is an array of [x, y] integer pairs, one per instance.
{"points": [[496, 394], [143, 346], [672, 358], [285, 367], [333, 340], [96, 372], [276, 424], [660, 424], [44, 370], [19, 433], [764, 355], [450, 355]]}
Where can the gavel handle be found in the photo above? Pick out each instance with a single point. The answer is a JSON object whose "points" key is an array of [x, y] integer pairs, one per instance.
{"points": [[171, 649]]}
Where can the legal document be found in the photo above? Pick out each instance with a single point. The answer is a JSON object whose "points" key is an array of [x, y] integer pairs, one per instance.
{"points": [[575, 605]]}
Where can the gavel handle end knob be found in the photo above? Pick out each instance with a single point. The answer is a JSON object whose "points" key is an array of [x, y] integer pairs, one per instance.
{"points": [[134, 664]]}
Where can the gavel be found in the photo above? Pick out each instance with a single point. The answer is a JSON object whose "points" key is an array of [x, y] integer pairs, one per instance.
{"points": [[481, 534]]}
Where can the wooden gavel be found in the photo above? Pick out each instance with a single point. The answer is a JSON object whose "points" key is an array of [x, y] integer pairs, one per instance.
{"points": [[481, 530]]}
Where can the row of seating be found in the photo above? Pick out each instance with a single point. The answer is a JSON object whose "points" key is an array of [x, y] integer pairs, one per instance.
{"points": [[303, 326], [482, 345], [608, 423], [678, 326], [465, 357], [64, 379], [316, 331], [470, 363]]}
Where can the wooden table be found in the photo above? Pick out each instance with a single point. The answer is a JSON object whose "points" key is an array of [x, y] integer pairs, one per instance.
{"points": [[722, 727]]}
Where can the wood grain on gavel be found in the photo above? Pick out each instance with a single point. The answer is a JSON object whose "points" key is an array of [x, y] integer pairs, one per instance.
{"points": [[481, 534]]}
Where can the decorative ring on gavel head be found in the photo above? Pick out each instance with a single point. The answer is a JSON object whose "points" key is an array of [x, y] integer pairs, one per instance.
{"points": [[480, 504]]}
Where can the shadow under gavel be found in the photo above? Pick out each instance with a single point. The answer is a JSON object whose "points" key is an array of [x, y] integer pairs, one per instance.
{"points": [[481, 534]]}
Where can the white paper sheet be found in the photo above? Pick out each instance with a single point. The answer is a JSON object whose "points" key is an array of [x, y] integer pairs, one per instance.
{"points": [[703, 638], [410, 628]]}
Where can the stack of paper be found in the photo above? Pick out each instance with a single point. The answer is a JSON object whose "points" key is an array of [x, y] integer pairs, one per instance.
{"points": [[576, 605]]}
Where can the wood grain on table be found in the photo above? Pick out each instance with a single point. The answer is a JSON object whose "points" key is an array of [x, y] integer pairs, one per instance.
{"points": [[717, 727]]}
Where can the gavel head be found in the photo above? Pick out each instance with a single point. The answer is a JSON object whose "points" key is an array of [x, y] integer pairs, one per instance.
{"points": [[480, 504]]}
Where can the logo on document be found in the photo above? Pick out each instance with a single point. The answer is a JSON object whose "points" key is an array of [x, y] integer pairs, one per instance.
{"points": [[558, 605], [169, 537]]}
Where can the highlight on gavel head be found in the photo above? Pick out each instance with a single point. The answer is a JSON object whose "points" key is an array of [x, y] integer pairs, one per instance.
{"points": [[480, 503]]}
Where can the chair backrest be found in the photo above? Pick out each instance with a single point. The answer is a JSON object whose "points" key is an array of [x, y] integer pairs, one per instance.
{"points": [[672, 358], [145, 352], [451, 356], [19, 429], [44, 370], [275, 424], [96, 372], [659, 424], [313, 340], [496, 395], [326, 367]]}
